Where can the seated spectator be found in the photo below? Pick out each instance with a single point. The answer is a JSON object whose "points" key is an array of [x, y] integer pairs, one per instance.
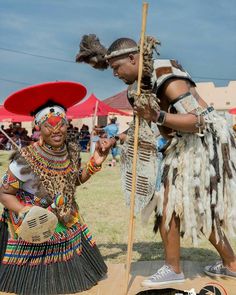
{"points": [[72, 132], [84, 137], [35, 135], [9, 130]]}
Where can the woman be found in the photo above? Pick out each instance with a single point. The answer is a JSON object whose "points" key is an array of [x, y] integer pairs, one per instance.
{"points": [[45, 174]]}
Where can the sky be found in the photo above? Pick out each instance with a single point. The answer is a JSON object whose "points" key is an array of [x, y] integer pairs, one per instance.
{"points": [[40, 39]]}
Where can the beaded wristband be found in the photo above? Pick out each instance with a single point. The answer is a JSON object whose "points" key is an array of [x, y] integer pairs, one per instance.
{"points": [[92, 167], [161, 118]]}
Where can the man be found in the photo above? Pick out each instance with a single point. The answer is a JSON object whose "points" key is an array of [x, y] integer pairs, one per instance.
{"points": [[199, 176], [111, 131]]}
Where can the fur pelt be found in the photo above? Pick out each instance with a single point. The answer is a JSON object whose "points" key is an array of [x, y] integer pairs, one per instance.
{"points": [[92, 52], [201, 179]]}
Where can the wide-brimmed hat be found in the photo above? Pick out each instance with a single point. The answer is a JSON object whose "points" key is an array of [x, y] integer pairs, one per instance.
{"points": [[27, 100]]}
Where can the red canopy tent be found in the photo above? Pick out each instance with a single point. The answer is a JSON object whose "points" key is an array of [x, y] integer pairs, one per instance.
{"points": [[232, 111], [6, 116], [92, 106]]}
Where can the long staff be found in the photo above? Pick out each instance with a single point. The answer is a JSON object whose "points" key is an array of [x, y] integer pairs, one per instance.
{"points": [[93, 124], [9, 138], [136, 131]]}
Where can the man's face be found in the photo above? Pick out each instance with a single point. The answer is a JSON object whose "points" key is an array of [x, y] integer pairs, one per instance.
{"points": [[125, 68]]}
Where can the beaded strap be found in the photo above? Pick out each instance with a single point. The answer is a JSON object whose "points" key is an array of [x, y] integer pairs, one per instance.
{"points": [[79, 175], [92, 167]]}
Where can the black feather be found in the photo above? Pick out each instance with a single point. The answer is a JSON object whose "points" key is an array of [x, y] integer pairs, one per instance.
{"points": [[92, 52]]}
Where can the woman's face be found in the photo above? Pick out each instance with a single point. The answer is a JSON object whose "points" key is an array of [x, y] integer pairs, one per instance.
{"points": [[54, 134]]}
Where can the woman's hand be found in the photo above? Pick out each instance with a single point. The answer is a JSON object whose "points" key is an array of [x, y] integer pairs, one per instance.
{"points": [[10, 202], [102, 149]]}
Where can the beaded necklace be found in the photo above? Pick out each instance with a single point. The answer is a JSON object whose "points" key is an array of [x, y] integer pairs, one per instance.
{"points": [[49, 160]]}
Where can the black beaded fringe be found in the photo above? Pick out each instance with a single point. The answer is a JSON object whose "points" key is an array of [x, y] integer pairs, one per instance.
{"points": [[3, 238], [78, 274]]}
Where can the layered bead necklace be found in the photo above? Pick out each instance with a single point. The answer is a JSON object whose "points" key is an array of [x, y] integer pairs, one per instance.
{"points": [[48, 159]]}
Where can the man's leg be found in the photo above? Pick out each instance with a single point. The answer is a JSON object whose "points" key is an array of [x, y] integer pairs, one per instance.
{"points": [[171, 241], [170, 272], [225, 251], [114, 154], [171, 237]]}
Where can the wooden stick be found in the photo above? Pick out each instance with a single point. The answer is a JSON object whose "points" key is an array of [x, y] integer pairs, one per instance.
{"points": [[93, 124], [132, 196], [95, 114], [9, 138]]}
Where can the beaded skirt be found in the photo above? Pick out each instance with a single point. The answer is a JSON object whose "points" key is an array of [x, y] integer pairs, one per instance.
{"points": [[69, 262]]}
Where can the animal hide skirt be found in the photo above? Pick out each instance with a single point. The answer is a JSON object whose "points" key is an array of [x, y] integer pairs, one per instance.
{"points": [[200, 174]]}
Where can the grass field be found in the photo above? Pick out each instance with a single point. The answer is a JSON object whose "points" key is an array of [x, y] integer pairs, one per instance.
{"points": [[102, 205]]}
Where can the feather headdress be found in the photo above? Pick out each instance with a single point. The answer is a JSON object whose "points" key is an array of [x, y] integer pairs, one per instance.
{"points": [[92, 52]]}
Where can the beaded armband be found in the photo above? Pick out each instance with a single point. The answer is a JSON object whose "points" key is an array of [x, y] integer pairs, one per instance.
{"points": [[187, 103], [9, 179], [92, 167]]}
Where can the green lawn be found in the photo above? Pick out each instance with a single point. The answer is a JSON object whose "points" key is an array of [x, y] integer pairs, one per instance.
{"points": [[102, 204]]}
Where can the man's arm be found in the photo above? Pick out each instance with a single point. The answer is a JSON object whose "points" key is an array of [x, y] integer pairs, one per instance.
{"points": [[181, 122], [172, 89]]}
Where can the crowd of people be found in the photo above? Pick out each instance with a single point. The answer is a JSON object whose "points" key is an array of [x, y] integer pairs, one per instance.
{"points": [[85, 138], [17, 134]]}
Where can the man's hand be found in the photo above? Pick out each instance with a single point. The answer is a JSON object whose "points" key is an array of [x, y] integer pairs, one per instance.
{"points": [[146, 113]]}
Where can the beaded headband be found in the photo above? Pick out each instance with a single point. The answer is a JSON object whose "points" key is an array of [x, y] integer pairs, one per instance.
{"points": [[121, 52], [44, 114]]}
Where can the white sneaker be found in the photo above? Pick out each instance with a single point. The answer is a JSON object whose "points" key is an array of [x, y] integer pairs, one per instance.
{"points": [[219, 270], [164, 275]]}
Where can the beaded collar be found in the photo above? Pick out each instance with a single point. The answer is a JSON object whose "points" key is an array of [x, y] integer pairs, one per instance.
{"points": [[49, 160]]}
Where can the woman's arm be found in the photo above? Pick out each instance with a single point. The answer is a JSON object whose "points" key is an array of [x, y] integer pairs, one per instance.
{"points": [[9, 200], [99, 156]]}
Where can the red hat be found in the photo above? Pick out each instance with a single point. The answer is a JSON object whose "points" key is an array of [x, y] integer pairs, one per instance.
{"points": [[27, 100]]}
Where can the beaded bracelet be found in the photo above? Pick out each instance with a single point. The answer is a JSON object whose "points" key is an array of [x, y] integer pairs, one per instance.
{"points": [[92, 167], [161, 118]]}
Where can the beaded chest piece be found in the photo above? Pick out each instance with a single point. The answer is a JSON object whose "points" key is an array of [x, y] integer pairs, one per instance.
{"points": [[58, 173]]}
